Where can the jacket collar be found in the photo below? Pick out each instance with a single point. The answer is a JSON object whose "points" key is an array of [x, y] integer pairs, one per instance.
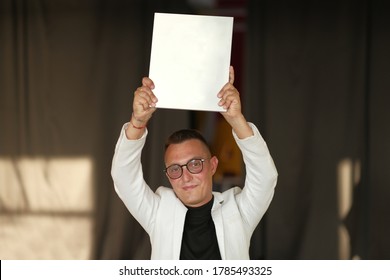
{"points": [[218, 201]]}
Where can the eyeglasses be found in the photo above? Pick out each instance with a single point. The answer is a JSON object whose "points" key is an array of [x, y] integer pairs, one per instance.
{"points": [[194, 166]]}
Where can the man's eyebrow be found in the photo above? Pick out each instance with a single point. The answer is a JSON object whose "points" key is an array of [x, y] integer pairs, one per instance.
{"points": [[197, 157]]}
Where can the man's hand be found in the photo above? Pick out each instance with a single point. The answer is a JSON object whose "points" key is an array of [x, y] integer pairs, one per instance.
{"points": [[144, 105], [231, 102], [230, 98]]}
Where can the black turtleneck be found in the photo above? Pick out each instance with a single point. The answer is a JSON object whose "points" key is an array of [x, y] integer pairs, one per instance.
{"points": [[199, 238]]}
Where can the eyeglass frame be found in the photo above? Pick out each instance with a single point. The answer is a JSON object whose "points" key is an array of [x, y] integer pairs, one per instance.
{"points": [[202, 160]]}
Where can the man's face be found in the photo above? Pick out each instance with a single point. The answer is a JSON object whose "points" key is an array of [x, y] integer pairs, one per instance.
{"points": [[193, 190]]}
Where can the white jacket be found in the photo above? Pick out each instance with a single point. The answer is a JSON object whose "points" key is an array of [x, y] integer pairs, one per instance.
{"points": [[235, 212]]}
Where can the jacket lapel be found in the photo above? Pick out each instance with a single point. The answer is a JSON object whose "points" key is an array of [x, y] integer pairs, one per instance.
{"points": [[179, 218], [216, 214]]}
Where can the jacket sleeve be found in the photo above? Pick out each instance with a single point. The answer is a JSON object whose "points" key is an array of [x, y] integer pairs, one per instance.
{"points": [[260, 180], [129, 182]]}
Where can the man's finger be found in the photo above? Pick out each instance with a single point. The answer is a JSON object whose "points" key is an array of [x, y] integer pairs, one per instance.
{"points": [[231, 75], [146, 92], [147, 82]]}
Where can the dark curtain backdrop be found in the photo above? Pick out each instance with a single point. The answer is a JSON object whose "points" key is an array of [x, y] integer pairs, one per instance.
{"points": [[316, 84]]}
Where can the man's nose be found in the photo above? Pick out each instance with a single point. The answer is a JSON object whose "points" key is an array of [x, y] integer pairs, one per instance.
{"points": [[187, 175]]}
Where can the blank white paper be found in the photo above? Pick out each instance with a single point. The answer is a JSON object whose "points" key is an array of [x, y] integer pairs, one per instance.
{"points": [[190, 59]]}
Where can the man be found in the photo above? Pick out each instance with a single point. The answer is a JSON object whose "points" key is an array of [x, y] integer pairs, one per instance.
{"points": [[190, 221]]}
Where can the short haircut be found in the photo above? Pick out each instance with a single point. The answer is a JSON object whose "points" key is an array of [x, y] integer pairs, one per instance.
{"points": [[186, 134]]}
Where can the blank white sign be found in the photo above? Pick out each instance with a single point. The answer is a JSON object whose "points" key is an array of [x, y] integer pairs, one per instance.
{"points": [[190, 59]]}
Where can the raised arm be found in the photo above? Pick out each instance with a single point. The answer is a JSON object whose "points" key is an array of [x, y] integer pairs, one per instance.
{"points": [[126, 168], [261, 173]]}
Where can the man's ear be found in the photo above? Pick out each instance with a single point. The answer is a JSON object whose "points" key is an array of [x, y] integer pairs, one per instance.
{"points": [[214, 164]]}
